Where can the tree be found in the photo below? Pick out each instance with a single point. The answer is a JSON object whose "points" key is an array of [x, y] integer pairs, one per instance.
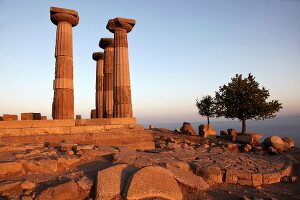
{"points": [[243, 99], [206, 107]]}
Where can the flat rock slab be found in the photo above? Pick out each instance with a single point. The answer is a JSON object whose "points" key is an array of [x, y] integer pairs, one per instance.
{"points": [[154, 181], [111, 181], [189, 179]]}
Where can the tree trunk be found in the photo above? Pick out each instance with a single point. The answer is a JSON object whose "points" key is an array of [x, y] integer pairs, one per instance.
{"points": [[244, 127], [207, 120]]}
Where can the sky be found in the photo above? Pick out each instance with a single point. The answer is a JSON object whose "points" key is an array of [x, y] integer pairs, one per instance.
{"points": [[178, 51]]}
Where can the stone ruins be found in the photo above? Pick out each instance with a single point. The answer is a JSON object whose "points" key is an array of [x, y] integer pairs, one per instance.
{"points": [[113, 92], [113, 105]]}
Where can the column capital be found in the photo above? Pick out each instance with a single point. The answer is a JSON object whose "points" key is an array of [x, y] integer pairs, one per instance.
{"points": [[98, 56], [106, 42], [62, 14], [120, 23]]}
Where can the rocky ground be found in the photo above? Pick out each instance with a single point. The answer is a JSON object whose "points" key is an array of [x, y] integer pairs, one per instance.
{"points": [[180, 167]]}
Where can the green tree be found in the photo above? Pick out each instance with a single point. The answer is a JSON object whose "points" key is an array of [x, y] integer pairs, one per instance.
{"points": [[206, 107], [244, 99]]}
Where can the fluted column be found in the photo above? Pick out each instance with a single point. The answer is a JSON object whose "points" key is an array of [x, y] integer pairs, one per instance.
{"points": [[108, 102], [121, 87], [63, 101], [99, 58]]}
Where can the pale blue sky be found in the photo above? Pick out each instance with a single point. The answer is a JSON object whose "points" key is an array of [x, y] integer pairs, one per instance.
{"points": [[178, 51]]}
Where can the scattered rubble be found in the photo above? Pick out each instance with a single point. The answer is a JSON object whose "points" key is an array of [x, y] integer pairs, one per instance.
{"points": [[182, 162]]}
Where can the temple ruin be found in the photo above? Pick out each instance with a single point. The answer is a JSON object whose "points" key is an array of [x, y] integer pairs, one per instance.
{"points": [[112, 121]]}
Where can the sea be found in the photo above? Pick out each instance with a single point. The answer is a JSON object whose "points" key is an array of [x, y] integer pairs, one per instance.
{"points": [[281, 126]]}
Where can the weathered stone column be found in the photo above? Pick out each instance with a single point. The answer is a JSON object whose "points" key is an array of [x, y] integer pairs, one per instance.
{"points": [[108, 99], [63, 101], [122, 91], [99, 57]]}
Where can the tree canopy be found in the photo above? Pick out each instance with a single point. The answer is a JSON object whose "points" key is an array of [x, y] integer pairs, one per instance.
{"points": [[243, 99], [206, 107]]}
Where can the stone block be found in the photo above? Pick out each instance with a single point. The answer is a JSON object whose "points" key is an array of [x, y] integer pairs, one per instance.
{"points": [[41, 166], [189, 179], [43, 117], [8, 185], [287, 170], [257, 179], [154, 182], [15, 124], [244, 175], [10, 117], [10, 168], [30, 116], [187, 129], [245, 182], [248, 138], [69, 190], [212, 174], [231, 177], [78, 116], [111, 181], [207, 130], [93, 114], [1, 118], [53, 123], [271, 178]]}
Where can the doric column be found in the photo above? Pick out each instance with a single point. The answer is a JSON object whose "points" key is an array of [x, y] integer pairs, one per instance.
{"points": [[63, 101], [122, 91], [108, 99], [99, 58]]}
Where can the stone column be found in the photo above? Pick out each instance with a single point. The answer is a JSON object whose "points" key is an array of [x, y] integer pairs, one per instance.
{"points": [[99, 57], [108, 99], [122, 91], [63, 101]]}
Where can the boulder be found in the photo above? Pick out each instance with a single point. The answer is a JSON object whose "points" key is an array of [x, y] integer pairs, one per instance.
{"points": [[206, 130], [111, 181], [247, 147], [85, 184], [276, 142], [187, 129], [289, 142], [154, 182], [211, 174], [233, 147]]}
